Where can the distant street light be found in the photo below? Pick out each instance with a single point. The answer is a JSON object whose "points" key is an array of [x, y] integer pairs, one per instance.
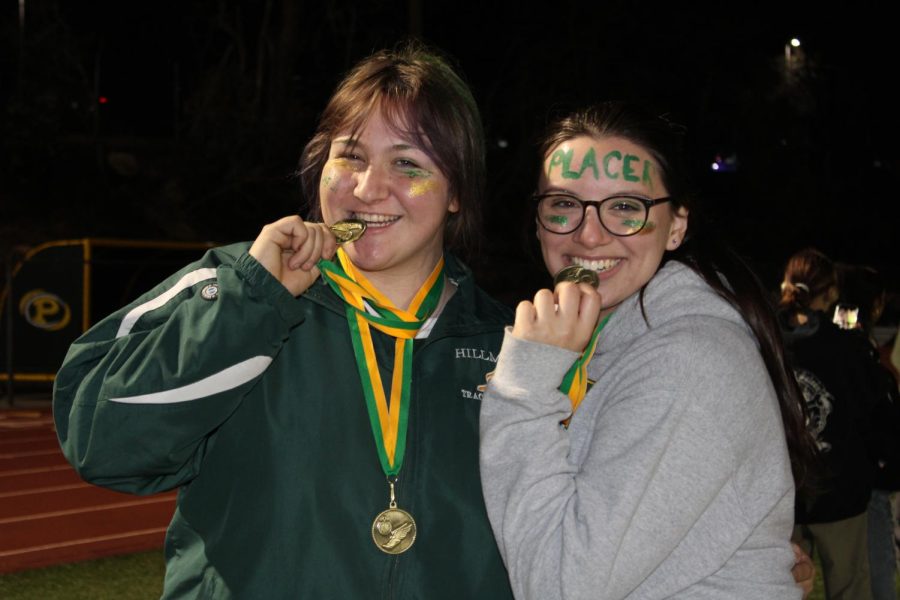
{"points": [[789, 54]]}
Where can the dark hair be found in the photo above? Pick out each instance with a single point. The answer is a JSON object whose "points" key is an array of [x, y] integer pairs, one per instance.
{"points": [[423, 98], [807, 275], [864, 288], [720, 267]]}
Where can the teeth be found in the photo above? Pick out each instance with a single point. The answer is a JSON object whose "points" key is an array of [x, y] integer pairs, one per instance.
{"points": [[375, 220], [596, 265]]}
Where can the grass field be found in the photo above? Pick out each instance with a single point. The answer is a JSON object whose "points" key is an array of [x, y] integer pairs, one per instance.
{"points": [[134, 577]]}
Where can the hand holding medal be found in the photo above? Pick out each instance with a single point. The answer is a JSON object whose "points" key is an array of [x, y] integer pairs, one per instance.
{"points": [[290, 248], [564, 317]]}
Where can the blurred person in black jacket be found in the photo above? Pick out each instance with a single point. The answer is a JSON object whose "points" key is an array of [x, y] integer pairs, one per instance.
{"points": [[863, 290], [836, 374]]}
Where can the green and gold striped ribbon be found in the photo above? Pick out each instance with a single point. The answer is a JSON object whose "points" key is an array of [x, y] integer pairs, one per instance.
{"points": [[362, 299], [575, 382]]}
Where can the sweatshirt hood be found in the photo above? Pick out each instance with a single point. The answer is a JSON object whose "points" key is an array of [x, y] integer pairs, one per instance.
{"points": [[675, 291]]}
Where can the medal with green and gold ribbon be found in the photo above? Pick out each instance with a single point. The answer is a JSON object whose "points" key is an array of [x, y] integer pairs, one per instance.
{"points": [[393, 530], [575, 381]]}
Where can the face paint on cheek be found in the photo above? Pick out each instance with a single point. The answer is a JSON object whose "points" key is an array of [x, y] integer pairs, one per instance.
{"points": [[424, 184], [650, 227], [330, 179], [342, 164], [635, 224], [420, 188], [559, 220], [417, 173]]}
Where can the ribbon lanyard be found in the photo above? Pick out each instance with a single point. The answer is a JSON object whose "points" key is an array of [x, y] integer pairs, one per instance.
{"points": [[367, 307], [575, 382]]}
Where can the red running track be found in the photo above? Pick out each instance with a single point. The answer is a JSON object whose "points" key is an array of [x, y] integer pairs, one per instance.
{"points": [[48, 515]]}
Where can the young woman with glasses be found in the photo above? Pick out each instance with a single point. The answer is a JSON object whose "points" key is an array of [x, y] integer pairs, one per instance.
{"points": [[638, 438]]}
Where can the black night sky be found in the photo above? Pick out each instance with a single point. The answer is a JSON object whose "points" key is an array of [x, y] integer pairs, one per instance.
{"points": [[184, 120]]}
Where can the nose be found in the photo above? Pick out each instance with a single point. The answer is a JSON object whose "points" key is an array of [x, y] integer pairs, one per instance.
{"points": [[591, 232], [371, 184]]}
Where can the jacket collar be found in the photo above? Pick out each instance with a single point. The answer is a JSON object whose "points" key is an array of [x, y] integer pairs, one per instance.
{"points": [[469, 309]]}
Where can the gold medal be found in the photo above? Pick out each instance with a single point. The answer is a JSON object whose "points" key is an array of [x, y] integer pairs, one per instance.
{"points": [[394, 530], [577, 274], [348, 230]]}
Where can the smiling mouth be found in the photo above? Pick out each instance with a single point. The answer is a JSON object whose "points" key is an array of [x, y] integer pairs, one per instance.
{"points": [[375, 220], [601, 265]]}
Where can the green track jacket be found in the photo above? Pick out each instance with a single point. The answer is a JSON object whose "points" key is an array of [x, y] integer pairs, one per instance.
{"points": [[221, 383]]}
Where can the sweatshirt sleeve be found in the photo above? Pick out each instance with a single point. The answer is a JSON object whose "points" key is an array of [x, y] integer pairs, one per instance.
{"points": [[654, 479], [140, 395]]}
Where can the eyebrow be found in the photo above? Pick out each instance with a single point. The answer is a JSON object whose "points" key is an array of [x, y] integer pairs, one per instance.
{"points": [[349, 141]]}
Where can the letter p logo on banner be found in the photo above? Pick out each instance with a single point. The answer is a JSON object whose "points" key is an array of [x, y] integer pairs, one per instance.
{"points": [[45, 310]]}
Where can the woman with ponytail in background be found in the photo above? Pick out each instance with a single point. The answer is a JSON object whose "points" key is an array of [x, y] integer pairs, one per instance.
{"points": [[835, 373]]}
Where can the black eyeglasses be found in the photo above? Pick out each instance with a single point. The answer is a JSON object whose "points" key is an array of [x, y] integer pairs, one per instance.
{"points": [[621, 215]]}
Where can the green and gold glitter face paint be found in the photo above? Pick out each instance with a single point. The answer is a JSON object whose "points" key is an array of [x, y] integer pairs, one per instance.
{"points": [[635, 224], [423, 184], [420, 188], [331, 178], [559, 220], [345, 164], [415, 172], [327, 181]]}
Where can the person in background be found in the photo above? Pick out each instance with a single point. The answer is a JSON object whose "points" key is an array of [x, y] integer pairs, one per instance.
{"points": [[671, 475], [895, 353], [862, 288], [834, 370], [319, 416]]}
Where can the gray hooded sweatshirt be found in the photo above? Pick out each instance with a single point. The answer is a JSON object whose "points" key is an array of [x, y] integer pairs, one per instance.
{"points": [[673, 478]]}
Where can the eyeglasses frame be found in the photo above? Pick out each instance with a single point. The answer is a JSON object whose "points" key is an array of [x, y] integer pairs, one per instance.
{"points": [[647, 202]]}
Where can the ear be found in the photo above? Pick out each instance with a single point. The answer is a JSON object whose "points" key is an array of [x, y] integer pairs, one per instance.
{"points": [[453, 206], [678, 228]]}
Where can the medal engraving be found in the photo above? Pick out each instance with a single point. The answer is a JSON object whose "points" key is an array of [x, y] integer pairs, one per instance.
{"points": [[348, 230], [394, 531], [576, 274]]}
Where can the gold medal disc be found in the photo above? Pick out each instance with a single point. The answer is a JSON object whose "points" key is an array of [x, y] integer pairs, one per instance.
{"points": [[394, 531], [577, 274], [348, 230]]}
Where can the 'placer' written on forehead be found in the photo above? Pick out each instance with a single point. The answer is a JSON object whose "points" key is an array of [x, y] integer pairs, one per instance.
{"points": [[614, 165]]}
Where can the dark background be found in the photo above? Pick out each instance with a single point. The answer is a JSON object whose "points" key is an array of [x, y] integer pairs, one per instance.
{"points": [[184, 120]]}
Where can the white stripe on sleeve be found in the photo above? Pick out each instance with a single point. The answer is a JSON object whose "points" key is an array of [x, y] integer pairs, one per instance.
{"points": [[185, 282], [222, 381]]}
